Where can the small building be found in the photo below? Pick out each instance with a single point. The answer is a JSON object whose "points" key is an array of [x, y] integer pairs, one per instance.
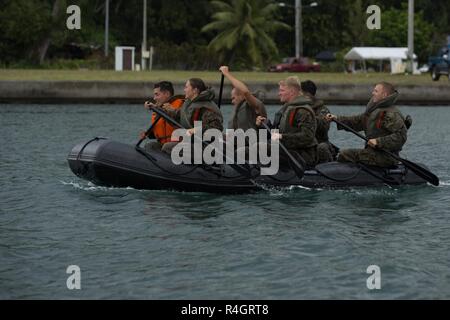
{"points": [[124, 58], [396, 57]]}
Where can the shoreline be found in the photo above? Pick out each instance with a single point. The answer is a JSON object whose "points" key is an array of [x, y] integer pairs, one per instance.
{"points": [[131, 92]]}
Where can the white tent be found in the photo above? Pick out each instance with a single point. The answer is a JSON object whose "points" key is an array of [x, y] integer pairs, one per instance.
{"points": [[396, 56]]}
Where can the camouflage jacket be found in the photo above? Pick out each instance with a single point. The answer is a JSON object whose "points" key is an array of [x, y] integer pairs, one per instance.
{"points": [[297, 124], [208, 112], [381, 121], [244, 116], [323, 126]]}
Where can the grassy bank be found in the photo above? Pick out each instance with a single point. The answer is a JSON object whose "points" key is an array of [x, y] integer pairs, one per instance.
{"points": [[257, 77]]}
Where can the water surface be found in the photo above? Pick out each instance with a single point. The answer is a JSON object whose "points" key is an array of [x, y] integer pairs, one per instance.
{"points": [[291, 244]]}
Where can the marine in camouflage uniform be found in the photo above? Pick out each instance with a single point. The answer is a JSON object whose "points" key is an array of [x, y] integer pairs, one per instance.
{"points": [[325, 150], [247, 105], [297, 124], [244, 116], [202, 108], [384, 123]]}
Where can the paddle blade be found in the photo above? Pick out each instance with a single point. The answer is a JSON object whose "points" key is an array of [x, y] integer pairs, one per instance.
{"points": [[422, 172], [299, 171]]}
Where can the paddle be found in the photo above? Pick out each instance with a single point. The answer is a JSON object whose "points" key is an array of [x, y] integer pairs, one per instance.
{"points": [[418, 170], [242, 170], [296, 166], [221, 91], [149, 130]]}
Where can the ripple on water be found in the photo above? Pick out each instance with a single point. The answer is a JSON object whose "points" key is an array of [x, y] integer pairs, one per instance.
{"points": [[291, 243], [89, 186]]}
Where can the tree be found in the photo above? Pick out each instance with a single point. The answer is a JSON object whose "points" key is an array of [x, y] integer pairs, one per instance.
{"points": [[34, 31], [356, 30], [245, 29], [45, 43], [394, 32], [333, 25], [23, 23]]}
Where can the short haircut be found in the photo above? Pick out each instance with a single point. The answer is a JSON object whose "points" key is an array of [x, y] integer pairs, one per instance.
{"points": [[309, 87], [165, 86], [291, 82], [388, 87], [197, 83]]}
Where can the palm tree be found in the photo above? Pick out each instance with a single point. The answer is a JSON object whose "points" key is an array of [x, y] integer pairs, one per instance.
{"points": [[244, 30]]}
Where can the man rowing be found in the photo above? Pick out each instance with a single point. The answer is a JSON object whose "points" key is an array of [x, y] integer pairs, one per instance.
{"points": [[325, 149], [163, 93], [198, 106], [246, 106], [382, 123], [296, 121]]}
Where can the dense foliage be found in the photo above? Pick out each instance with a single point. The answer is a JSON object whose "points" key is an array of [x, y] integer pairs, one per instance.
{"points": [[200, 34]]}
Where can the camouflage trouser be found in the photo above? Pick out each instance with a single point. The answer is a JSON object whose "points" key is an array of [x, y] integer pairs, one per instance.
{"points": [[152, 146], [308, 155], [324, 152], [167, 147], [366, 156]]}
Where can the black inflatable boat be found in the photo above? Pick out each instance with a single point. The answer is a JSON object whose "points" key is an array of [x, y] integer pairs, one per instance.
{"points": [[109, 163]]}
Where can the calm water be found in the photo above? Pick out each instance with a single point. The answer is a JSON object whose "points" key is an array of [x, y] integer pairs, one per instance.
{"points": [[294, 244]]}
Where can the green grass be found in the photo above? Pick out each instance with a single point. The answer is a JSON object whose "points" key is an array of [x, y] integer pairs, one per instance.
{"points": [[208, 76]]}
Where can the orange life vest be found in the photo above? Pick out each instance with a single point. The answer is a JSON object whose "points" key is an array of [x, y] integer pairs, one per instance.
{"points": [[162, 130]]}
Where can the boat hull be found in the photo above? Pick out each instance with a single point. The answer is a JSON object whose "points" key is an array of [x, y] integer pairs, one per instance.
{"points": [[109, 163]]}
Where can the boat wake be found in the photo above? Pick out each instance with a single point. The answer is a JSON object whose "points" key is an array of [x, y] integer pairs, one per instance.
{"points": [[89, 186], [279, 191]]}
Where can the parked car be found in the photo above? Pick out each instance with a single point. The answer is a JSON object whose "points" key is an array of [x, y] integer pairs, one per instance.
{"points": [[295, 65], [440, 64]]}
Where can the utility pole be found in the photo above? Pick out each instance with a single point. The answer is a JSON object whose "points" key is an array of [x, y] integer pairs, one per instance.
{"points": [[298, 24], [106, 27], [144, 38], [152, 51], [298, 29], [411, 35]]}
